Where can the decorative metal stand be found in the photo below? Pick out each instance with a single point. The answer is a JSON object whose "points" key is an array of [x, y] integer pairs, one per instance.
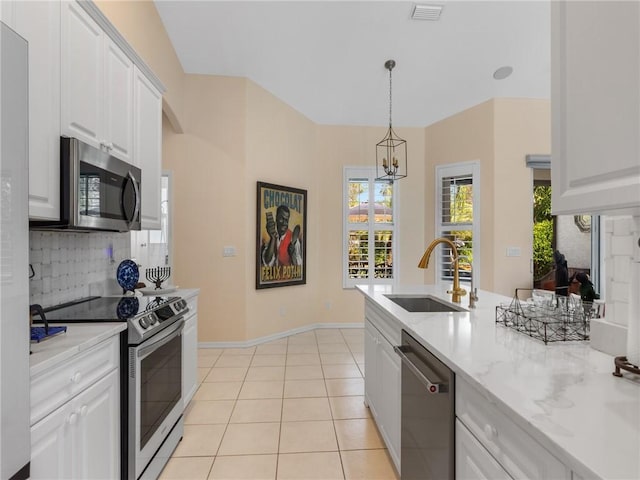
{"points": [[622, 363], [158, 275], [552, 322]]}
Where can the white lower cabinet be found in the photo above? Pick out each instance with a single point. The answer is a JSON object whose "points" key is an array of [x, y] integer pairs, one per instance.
{"points": [[473, 461], [382, 386], [190, 352], [80, 437], [499, 441]]}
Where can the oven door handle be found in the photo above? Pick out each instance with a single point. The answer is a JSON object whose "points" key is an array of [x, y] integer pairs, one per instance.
{"points": [[161, 338]]}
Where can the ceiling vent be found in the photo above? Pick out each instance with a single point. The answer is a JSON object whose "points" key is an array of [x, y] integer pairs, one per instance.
{"points": [[426, 12]]}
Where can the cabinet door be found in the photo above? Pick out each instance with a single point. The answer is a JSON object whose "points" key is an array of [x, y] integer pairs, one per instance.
{"points": [[96, 437], [595, 101], [82, 75], [148, 147], [39, 23], [190, 358], [6, 12], [118, 106], [371, 380], [51, 444], [473, 461], [389, 365]]}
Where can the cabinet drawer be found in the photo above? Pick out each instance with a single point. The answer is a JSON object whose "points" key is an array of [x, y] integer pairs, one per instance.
{"points": [[519, 454], [53, 387], [192, 303], [388, 327]]}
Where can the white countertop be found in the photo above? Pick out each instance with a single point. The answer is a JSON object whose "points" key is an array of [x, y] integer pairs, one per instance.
{"points": [[563, 394], [77, 338]]}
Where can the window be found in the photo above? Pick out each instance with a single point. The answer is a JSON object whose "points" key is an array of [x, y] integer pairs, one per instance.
{"points": [[457, 218], [369, 228]]}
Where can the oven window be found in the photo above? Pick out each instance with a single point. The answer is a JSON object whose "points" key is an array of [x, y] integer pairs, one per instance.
{"points": [[161, 386]]}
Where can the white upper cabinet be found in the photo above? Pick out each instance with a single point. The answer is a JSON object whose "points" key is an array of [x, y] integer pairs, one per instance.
{"points": [[39, 24], [595, 102], [97, 85], [148, 147], [118, 111]]}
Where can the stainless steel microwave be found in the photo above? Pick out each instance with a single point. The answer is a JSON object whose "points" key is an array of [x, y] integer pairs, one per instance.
{"points": [[97, 191]]}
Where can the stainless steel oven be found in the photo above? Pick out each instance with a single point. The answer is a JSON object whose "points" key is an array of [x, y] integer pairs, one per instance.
{"points": [[151, 374], [155, 401]]}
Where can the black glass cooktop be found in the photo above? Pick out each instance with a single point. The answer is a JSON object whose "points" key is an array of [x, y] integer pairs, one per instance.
{"points": [[104, 309]]}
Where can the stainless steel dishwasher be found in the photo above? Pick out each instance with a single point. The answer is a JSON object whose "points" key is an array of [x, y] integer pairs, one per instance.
{"points": [[428, 416]]}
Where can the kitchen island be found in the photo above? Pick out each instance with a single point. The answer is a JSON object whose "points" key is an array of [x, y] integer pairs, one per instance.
{"points": [[563, 395]]}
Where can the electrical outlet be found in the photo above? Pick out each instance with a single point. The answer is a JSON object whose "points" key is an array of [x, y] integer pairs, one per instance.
{"points": [[327, 304], [283, 311], [514, 251], [229, 252]]}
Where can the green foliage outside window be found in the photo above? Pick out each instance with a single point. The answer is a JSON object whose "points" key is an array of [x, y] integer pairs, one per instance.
{"points": [[542, 231]]}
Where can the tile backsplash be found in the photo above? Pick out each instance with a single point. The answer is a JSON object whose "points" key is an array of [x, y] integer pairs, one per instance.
{"points": [[70, 266]]}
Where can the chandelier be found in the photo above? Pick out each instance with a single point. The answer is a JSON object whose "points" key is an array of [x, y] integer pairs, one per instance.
{"points": [[391, 151]]}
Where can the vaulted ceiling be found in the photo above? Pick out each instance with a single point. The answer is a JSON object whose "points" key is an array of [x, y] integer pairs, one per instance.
{"points": [[326, 58]]}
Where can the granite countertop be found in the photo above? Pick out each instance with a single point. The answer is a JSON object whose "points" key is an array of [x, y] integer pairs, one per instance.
{"points": [[77, 338], [563, 394]]}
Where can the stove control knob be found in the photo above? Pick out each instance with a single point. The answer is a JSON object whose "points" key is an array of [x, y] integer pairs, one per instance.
{"points": [[144, 323], [153, 319]]}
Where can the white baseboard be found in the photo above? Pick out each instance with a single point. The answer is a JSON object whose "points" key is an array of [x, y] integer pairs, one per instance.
{"points": [[278, 336]]}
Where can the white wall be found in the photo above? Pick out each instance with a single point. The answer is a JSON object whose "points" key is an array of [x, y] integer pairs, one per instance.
{"points": [[574, 244]]}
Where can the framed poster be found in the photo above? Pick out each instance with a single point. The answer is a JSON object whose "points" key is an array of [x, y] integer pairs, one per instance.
{"points": [[281, 256]]}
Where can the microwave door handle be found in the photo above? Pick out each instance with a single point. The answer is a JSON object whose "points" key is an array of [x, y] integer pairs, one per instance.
{"points": [[136, 190]]}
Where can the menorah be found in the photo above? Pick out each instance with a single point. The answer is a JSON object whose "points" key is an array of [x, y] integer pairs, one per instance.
{"points": [[158, 275]]}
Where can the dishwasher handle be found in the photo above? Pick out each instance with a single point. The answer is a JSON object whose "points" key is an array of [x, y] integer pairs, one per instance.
{"points": [[432, 387]]}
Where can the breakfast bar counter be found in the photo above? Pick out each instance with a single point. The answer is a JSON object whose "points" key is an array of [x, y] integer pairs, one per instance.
{"points": [[562, 394]]}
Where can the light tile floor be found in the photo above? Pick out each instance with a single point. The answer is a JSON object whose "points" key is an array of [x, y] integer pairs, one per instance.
{"points": [[289, 409]]}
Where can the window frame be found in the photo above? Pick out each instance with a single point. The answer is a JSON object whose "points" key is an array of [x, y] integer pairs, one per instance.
{"points": [[472, 169], [368, 174]]}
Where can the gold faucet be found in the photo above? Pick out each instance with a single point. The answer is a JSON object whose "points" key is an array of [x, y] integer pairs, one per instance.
{"points": [[457, 292]]}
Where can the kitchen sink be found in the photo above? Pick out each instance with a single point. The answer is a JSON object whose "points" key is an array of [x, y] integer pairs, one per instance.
{"points": [[423, 303]]}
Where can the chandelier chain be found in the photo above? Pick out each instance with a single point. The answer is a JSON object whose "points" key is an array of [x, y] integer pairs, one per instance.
{"points": [[390, 98]]}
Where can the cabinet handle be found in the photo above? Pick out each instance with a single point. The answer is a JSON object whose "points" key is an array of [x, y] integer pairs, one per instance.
{"points": [[83, 410], [72, 418], [490, 431], [76, 377]]}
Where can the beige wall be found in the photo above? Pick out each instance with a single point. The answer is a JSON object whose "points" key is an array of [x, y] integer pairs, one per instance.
{"points": [[281, 149], [466, 136], [339, 147], [499, 134], [222, 134], [208, 165], [522, 126]]}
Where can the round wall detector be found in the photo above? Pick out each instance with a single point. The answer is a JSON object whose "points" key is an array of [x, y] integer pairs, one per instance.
{"points": [[503, 72]]}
